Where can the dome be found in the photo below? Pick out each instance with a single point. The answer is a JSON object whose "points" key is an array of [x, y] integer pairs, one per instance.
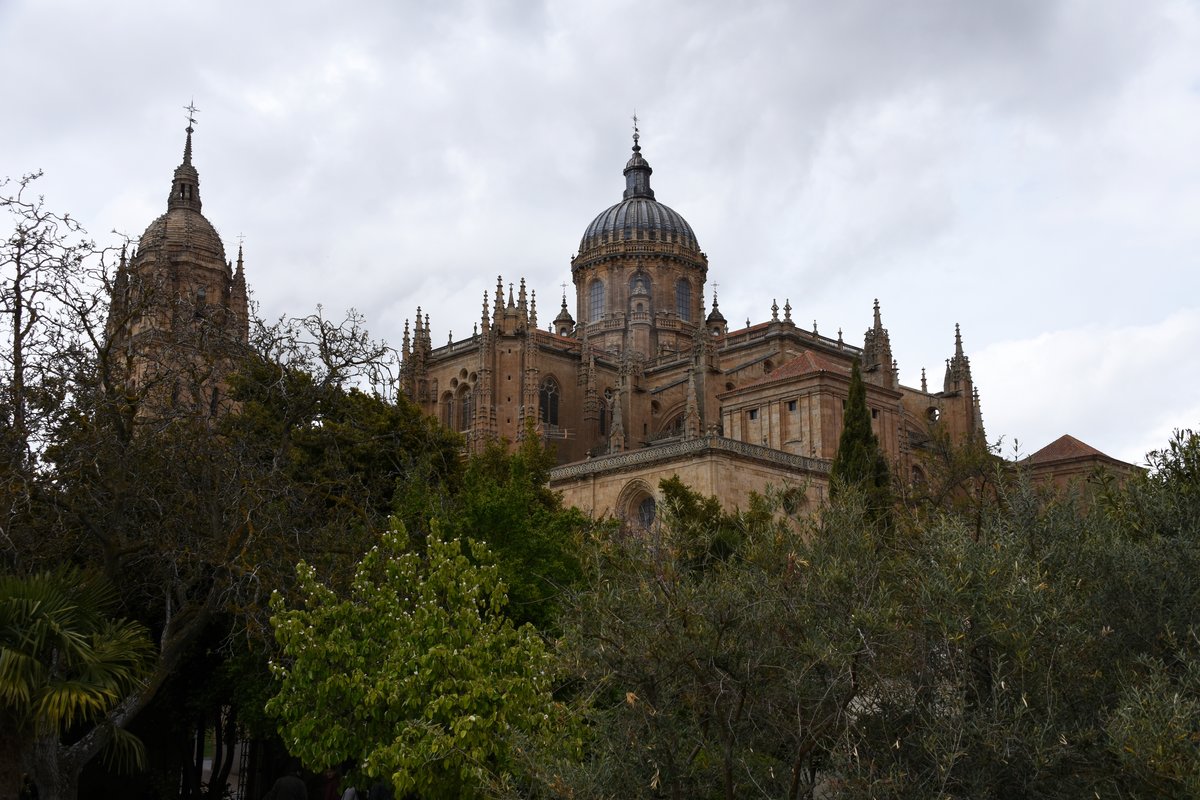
{"points": [[183, 229], [638, 215], [625, 220]]}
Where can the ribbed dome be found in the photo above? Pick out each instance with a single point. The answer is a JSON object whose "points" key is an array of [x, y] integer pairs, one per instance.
{"points": [[638, 215], [622, 222], [182, 229]]}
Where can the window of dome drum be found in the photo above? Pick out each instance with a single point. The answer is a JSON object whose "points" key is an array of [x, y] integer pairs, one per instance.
{"points": [[596, 300], [683, 300], [548, 402]]}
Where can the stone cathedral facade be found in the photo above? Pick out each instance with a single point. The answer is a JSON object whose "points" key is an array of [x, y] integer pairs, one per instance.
{"points": [[637, 380]]}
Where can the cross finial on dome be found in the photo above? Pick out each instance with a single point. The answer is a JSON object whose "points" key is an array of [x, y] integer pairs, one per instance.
{"points": [[191, 118], [636, 147]]}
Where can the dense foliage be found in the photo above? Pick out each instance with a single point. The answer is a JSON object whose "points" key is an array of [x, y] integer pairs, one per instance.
{"points": [[416, 674]]}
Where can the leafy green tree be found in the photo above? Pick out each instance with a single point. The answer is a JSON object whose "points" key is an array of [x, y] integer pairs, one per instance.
{"points": [[859, 461], [65, 667], [503, 501], [416, 674]]}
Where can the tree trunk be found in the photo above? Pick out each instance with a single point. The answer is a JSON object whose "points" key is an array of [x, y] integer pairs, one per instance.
{"points": [[55, 770]]}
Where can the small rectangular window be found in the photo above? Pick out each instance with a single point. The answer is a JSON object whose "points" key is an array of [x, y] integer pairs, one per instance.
{"points": [[791, 405], [874, 413], [754, 413]]}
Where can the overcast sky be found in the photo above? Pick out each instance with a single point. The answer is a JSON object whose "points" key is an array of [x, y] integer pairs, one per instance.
{"points": [[1028, 168]]}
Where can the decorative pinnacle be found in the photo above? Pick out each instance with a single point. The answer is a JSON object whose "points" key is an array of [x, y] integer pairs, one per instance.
{"points": [[958, 351], [878, 322], [637, 148], [774, 311], [787, 310]]}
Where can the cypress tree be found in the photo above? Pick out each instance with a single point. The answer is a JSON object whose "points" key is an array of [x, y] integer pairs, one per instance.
{"points": [[859, 463]]}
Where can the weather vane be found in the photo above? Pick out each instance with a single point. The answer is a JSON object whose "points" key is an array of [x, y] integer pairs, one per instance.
{"points": [[192, 110]]}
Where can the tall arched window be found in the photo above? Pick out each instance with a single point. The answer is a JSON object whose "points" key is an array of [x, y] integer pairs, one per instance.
{"points": [[464, 410], [683, 300], [595, 301], [548, 402], [448, 410]]}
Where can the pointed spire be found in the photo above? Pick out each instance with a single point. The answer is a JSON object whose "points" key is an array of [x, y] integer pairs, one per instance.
{"points": [[187, 148], [774, 311], [185, 186], [924, 385], [533, 308], [499, 296], [878, 320], [787, 310], [511, 304], [406, 343], [958, 350]]}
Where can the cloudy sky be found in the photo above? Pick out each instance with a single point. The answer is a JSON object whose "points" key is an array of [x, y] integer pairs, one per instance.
{"points": [[1029, 168]]}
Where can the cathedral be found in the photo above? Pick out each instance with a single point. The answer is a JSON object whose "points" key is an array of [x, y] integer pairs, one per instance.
{"points": [[638, 382], [633, 382]]}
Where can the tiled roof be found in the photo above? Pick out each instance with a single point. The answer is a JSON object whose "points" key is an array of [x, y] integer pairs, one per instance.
{"points": [[1063, 448]]}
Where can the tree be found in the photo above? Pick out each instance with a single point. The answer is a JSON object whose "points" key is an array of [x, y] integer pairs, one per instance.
{"points": [[191, 516], [725, 657], [64, 665], [416, 673], [859, 464], [43, 261], [504, 502]]}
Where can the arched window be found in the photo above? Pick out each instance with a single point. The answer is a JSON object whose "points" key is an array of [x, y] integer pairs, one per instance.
{"points": [[464, 411], [595, 301], [683, 300], [448, 410], [548, 402], [646, 512]]}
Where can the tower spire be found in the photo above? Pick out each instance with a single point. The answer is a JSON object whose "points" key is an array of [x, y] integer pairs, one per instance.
{"points": [[185, 185], [191, 118]]}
